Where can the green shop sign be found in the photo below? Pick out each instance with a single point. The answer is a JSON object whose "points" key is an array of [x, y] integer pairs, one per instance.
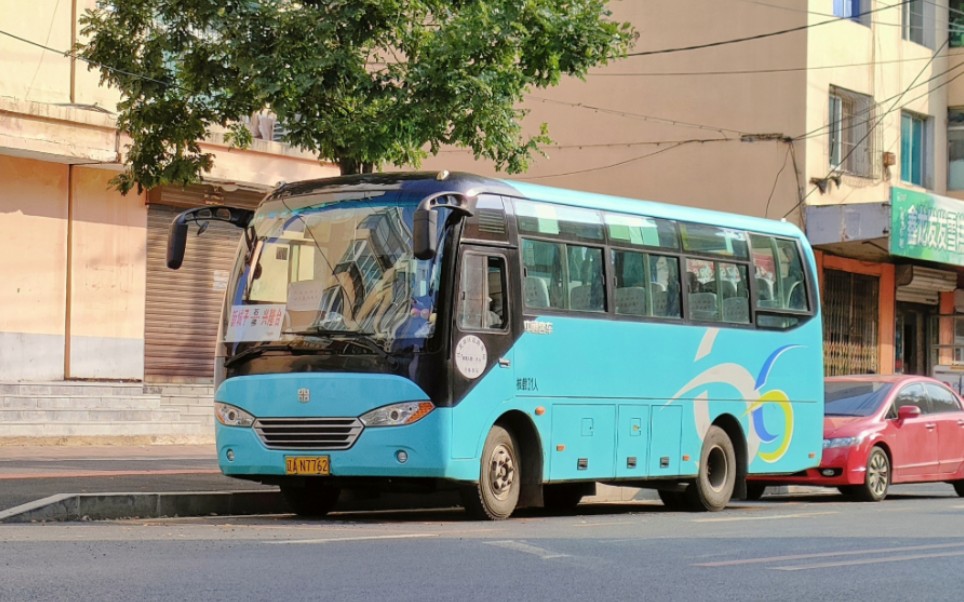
{"points": [[926, 226]]}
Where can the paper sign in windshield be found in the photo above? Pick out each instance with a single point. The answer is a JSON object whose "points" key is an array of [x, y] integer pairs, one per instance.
{"points": [[305, 295], [255, 323]]}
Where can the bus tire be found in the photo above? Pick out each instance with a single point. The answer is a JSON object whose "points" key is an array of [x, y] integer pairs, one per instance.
{"points": [[562, 497], [716, 478], [311, 499], [496, 494]]}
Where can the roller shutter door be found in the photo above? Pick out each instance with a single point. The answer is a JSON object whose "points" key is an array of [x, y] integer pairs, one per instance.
{"points": [[183, 306]]}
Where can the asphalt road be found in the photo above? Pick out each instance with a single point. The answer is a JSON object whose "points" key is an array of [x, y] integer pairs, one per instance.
{"points": [[30, 474], [820, 547]]}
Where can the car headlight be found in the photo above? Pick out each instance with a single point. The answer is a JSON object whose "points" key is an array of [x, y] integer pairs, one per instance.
{"points": [[398, 413], [229, 415], [843, 442]]}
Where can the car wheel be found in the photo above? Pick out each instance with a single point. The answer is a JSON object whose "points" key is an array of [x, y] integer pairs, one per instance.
{"points": [[563, 497], [312, 499], [754, 491], [496, 494], [674, 500], [959, 487], [877, 477], [714, 483]]}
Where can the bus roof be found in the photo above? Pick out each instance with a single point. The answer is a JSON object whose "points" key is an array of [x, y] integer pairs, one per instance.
{"points": [[591, 200], [426, 182]]}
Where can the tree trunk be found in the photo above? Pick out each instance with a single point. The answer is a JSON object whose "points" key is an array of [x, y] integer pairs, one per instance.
{"points": [[350, 167]]}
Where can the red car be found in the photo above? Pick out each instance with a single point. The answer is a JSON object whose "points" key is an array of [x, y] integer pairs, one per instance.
{"points": [[880, 430]]}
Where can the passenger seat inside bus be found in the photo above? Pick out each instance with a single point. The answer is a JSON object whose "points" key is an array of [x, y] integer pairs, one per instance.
{"points": [[703, 306], [537, 292], [631, 300]]}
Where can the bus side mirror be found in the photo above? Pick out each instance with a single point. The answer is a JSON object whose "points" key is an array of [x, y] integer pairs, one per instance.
{"points": [[177, 235], [423, 233], [176, 241], [425, 226]]}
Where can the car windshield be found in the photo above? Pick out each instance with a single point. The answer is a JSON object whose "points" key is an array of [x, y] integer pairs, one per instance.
{"points": [[332, 264], [854, 398]]}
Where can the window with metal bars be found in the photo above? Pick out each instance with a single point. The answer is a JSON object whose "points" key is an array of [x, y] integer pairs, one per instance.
{"points": [[851, 323]]}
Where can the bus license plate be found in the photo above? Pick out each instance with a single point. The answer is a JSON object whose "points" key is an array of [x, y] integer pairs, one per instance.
{"points": [[308, 465]]}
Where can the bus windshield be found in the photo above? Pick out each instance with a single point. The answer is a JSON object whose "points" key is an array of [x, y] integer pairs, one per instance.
{"points": [[332, 264]]}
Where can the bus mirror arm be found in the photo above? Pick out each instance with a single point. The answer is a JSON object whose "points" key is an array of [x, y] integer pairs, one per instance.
{"points": [[425, 225], [177, 235]]}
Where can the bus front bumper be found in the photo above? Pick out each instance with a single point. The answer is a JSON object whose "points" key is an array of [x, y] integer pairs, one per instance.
{"points": [[411, 451]]}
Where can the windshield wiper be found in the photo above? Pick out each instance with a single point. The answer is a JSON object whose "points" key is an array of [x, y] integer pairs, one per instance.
{"points": [[252, 352], [358, 339]]}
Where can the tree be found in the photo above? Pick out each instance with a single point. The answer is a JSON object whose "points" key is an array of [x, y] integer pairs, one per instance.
{"points": [[358, 82]]}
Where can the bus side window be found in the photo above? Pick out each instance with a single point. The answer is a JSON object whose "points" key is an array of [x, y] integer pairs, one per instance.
{"points": [[497, 309], [586, 288], [793, 287], [482, 300]]}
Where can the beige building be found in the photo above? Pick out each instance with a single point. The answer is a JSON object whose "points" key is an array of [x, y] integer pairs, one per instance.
{"points": [[843, 116], [98, 340]]}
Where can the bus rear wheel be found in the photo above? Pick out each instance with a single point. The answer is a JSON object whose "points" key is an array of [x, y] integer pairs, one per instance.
{"points": [[310, 499], [496, 494], [716, 478]]}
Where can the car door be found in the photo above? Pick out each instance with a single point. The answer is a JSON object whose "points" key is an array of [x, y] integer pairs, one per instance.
{"points": [[915, 450], [947, 413]]}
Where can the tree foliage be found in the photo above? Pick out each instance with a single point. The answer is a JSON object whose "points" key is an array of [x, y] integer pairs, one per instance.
{"points": [[358, 82]]}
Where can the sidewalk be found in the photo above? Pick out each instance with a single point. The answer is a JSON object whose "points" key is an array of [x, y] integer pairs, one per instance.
{"points": [[71, 479]]}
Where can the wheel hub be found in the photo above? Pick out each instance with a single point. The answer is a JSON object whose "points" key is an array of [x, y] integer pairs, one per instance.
{"points": [[501, 472]]}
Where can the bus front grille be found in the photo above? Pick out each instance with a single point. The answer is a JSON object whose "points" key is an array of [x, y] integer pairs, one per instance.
{"points": [[308, 433]]}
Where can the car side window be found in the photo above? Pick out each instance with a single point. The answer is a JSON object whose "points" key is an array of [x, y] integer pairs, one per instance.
{"points": [[913, 395], [942, 399]]}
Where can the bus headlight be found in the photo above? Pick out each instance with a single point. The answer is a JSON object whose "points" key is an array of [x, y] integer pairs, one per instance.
{"points": [[231, 416], [398, 413]]}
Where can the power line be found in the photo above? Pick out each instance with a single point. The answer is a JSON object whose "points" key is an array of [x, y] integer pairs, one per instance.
{"points": [[761, 35], [624, 162], [873, 127], [69, 54], [754, 71], [640, 116], [819, 131]]}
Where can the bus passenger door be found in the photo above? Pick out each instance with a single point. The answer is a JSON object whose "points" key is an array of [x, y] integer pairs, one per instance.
{"points": [[482, 343]]}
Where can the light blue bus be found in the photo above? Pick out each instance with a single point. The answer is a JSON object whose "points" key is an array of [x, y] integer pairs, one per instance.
{"points": [[519, 343]]}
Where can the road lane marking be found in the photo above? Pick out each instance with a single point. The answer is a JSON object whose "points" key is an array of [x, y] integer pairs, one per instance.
{"points": [[828, 555], [358, 538], [833, 565], [525, 548], [603, 524], [728, 519]]}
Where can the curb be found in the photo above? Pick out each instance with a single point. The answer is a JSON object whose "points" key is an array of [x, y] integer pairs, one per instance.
{"points": [[115, 506], [112, 506]]}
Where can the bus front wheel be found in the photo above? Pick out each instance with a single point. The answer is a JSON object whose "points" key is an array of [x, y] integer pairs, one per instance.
{"points": [[714, 483], [311, 499], [496, 494]]}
